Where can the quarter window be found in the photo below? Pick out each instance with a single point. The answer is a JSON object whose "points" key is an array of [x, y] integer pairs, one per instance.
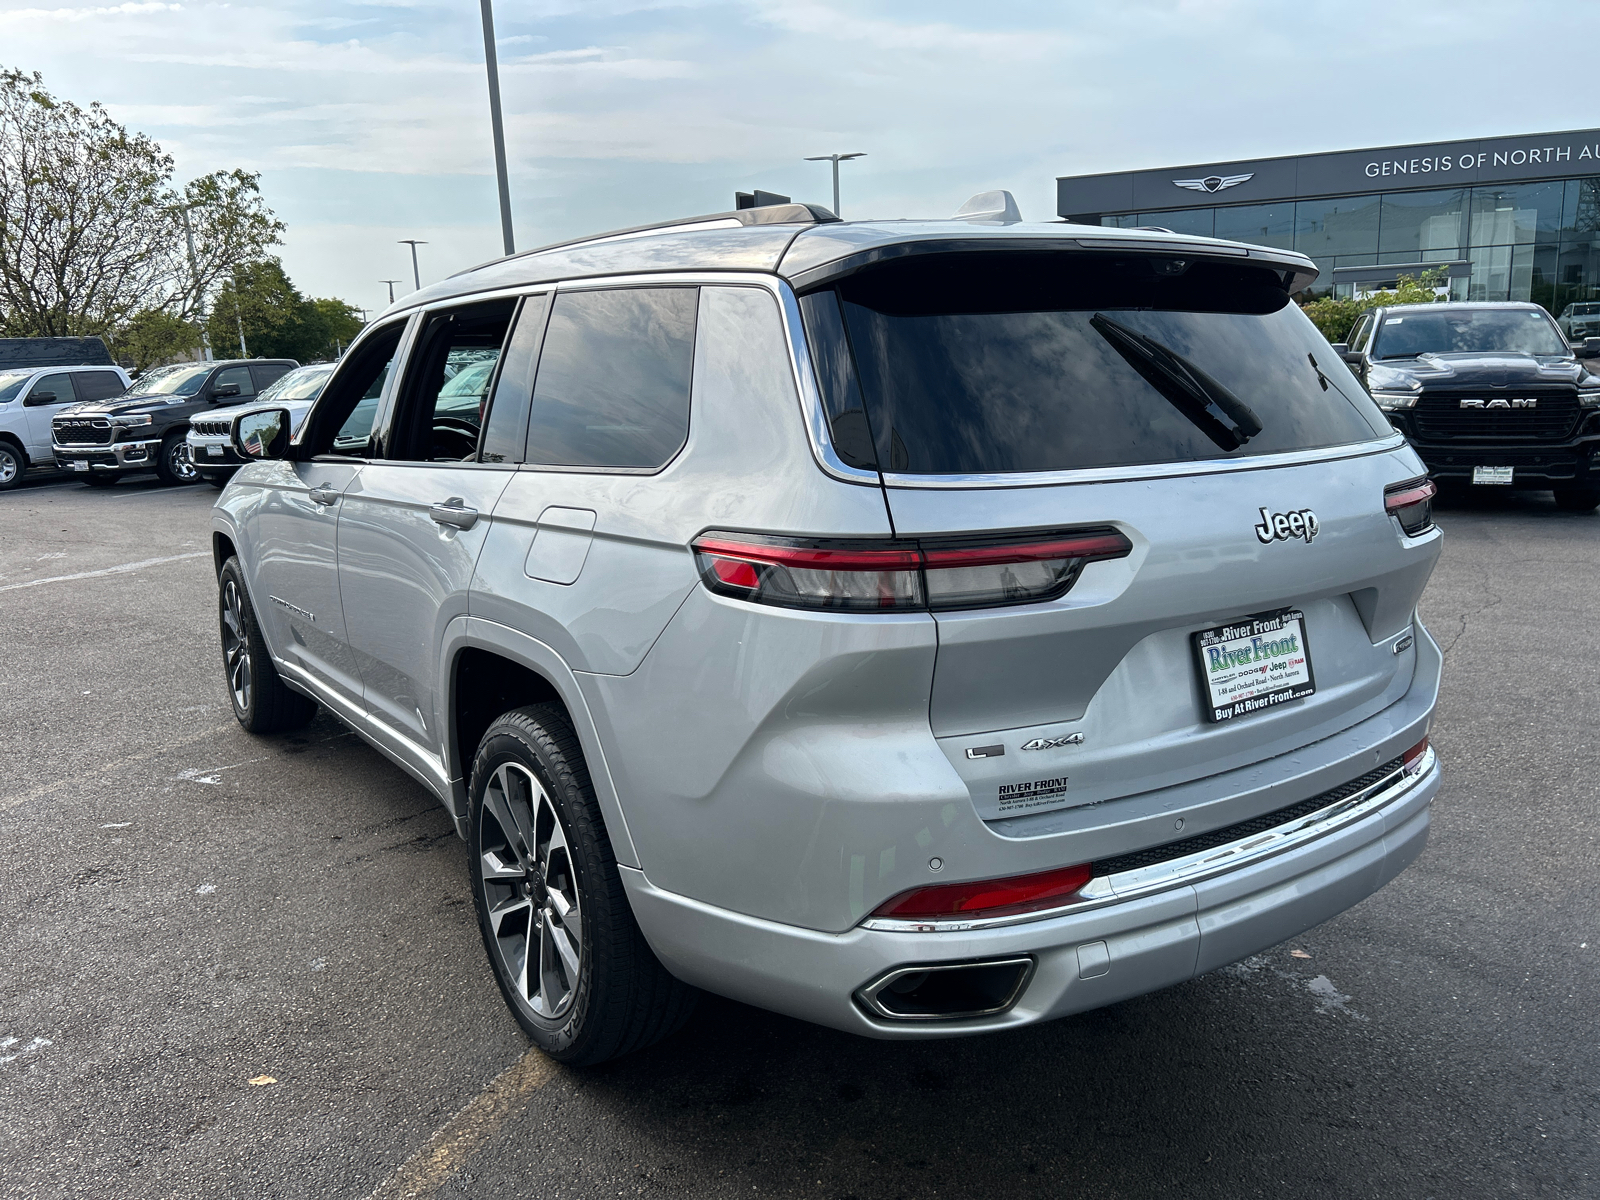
{"points": [[613, 383]]}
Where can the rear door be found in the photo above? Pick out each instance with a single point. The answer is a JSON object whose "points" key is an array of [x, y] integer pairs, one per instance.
{"points": [[414, 522], [1190, 409]]}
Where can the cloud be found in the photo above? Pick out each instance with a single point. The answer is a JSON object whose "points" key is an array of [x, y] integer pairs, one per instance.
{"points": [[24, 15]]}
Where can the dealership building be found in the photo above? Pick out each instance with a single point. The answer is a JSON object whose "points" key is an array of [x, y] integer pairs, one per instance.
{"points": [[1512, 218]]}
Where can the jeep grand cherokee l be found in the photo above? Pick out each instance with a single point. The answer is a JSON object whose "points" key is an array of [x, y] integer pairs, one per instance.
{"points": [[919, 628]]}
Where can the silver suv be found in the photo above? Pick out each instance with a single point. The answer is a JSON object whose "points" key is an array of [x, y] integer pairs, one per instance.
{"points": [[918, 628]]}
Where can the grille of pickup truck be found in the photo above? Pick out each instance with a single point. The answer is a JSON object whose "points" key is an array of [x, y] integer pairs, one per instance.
{"points": [[209, 428], [76, 431], [1439, 415], [1243, 829]]}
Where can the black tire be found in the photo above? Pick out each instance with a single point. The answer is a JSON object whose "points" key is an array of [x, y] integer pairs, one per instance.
{"points": [[1577, 499], [620, 998], [13, 462], [264, 703], [102, 481], [174, 466]]}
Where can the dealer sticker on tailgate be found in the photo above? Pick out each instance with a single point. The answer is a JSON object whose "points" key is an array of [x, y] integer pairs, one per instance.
{"points": [[1254, 664]]}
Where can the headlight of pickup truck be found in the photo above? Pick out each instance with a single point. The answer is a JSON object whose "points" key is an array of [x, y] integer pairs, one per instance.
{"points": [[1589, 399], [130, 421], [1389, 401]]}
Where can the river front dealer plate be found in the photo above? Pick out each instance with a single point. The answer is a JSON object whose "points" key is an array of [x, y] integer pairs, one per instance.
{"points": [[1254, 663]]}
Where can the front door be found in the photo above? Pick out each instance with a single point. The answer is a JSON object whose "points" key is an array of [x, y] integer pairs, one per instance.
{"points": [[48, 396], [297, 518], [413, 524]]}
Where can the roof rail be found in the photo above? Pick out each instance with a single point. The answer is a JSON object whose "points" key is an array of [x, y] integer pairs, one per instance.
{"points": [[771, 214]]}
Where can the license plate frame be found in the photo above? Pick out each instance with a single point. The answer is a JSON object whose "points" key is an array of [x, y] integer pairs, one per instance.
{"points": [[1493, 476], [1250, 673]]}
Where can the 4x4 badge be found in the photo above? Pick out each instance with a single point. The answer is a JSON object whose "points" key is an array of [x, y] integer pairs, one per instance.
{"points": [[1302, 523], [1072, 739]]}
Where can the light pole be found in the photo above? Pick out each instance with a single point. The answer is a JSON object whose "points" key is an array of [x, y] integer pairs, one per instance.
{"points": [[244, 351], [391, 283], [495, 124], [416, 275], [194, 271], [836, 159]]}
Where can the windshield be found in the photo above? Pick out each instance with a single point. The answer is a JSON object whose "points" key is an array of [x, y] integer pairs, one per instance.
{"points": [[1007, 362], [1468, 331], [303, 384], [180, 379], [11, 383]]}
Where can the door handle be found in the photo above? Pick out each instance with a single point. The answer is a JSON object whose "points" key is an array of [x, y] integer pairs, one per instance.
{"points": [[324, 494], [454, 511]]}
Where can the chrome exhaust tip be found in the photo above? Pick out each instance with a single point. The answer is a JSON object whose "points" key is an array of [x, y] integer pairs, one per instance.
{"points": [[946, 991]]}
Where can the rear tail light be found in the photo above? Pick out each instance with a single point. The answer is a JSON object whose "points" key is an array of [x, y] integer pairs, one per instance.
{"points": [[1411, 503], [990, 897], [1411, 760], [885, 575]]}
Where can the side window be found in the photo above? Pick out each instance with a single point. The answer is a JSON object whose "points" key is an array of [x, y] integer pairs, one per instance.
{"points": [[267, 374], [1363, 333], [97, 385], [613, 383], [51, 389], [447, 384], [233, 377], [506, 431], [341, 422]]}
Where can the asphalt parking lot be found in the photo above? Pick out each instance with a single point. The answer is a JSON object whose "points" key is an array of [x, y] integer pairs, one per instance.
{"points": [[185, 909]]}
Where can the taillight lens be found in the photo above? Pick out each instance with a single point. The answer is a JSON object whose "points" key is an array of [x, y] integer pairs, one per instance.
{"points": [[990, 897], [875, 576], [1411, 503], [1411, 760]]}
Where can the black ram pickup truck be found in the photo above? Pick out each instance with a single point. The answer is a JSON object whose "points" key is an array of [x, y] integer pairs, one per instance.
{"points": [[145, 428], [1488, 394]]}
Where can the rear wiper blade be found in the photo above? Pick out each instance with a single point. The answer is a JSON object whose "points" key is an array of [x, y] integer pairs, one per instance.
{"points": [[1210, 407]]}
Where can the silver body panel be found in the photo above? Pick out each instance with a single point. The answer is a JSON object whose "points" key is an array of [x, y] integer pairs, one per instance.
{"points": [[770, 776]]}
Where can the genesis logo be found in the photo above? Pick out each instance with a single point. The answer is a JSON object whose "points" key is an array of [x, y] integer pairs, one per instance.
{"points": [[1213, 183], [1529, 402], [1072, 739]]}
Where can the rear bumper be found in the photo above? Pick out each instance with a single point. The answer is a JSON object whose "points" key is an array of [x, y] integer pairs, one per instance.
{"points": [[1082, 959], [118, 456]]}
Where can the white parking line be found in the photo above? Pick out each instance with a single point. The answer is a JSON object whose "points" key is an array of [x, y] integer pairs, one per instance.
{"points": [[119, 570]]}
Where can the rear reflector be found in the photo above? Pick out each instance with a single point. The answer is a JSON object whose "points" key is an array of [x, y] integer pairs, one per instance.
{"points": [[1411, 503], [874, 576], [1411, 760], [990, 897]]}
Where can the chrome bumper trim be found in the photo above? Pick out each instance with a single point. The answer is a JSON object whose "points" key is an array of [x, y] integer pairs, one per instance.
{"points": [[1144, 881], [148, 452]]}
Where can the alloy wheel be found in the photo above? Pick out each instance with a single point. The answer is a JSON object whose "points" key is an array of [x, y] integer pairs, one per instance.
{"points": [[181, 464], [530, 891], [236, 645]]}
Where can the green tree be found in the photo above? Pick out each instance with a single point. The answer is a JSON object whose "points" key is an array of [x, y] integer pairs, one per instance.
{"points": [[153, 336], [1336, 318], [92, 229], [278, 321]]}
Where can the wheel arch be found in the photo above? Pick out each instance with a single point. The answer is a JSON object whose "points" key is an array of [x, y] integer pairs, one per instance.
{"points": [[490, 669], [15, 443]]}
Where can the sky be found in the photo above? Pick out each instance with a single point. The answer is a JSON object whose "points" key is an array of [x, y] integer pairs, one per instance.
{"points": [[368, 121]]}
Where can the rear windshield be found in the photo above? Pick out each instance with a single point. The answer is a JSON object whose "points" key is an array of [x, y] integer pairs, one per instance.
{"points": [[1468, 331], [1006, 362]]}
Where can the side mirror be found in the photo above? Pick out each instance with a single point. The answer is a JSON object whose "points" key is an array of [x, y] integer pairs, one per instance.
{"points": [[37, 398], [225, 391], [263, 434], [1590, 348]]}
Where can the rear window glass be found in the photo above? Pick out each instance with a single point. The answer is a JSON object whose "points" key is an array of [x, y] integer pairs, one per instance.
{"points": [[613, 382], [998, 363]]}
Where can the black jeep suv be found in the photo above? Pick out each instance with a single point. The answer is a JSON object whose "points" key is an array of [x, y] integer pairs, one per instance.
{"points": [[144, 429], [1488, 394]]}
